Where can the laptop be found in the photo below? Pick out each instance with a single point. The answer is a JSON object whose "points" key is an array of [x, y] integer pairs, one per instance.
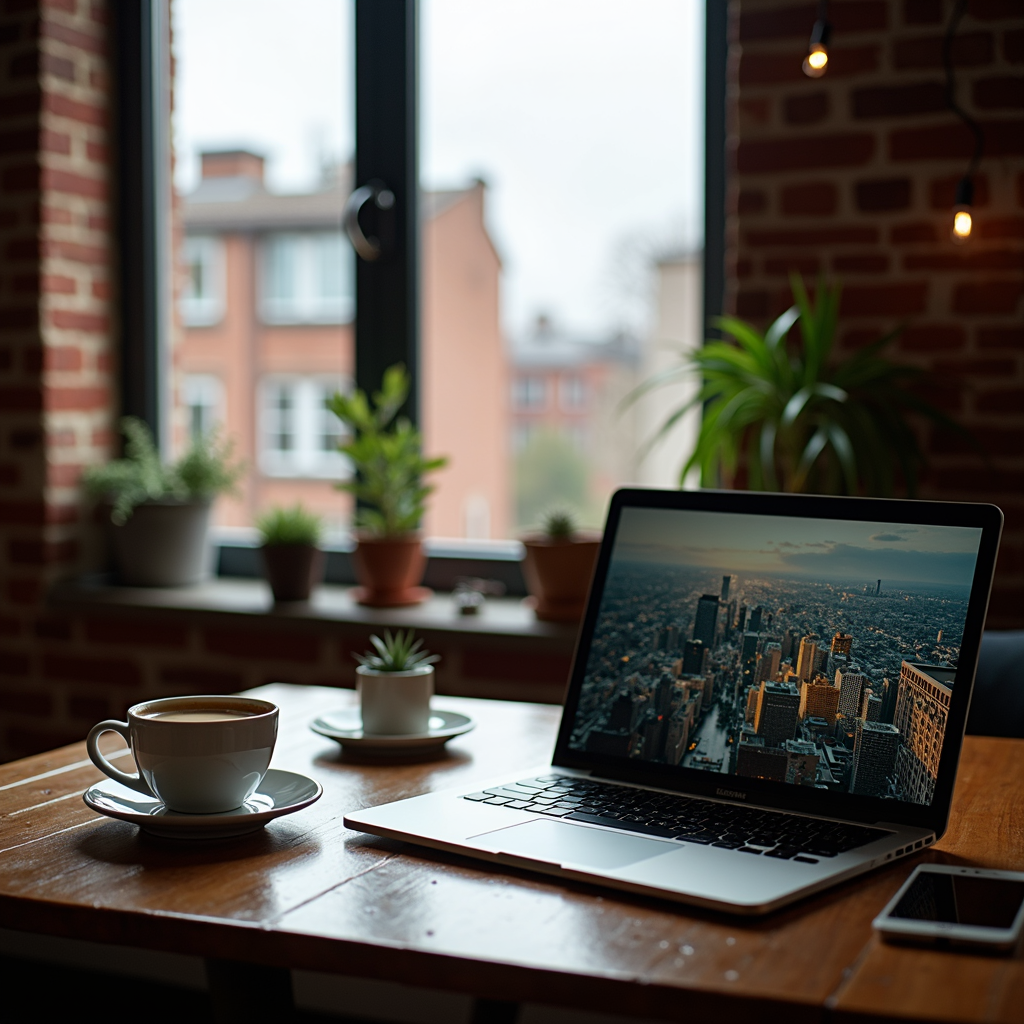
{"points": [[768, 696]]}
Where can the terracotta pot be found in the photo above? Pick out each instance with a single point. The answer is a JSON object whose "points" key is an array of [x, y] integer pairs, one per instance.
{"points": [[292, 570], [558, 574], [389, 570]]}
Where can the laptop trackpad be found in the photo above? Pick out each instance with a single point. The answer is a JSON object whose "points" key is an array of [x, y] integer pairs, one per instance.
{"points": [[558, 842]]}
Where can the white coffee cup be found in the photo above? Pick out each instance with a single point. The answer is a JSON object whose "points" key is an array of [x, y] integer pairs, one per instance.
{"points": [[395, 703], [197, 755]]}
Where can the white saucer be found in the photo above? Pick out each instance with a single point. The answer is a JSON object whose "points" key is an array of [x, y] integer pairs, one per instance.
{"points": [[346, 726], [279, 793]]}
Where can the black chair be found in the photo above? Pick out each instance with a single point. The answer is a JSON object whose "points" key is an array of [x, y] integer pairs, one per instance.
{"points": [[997, 707]]}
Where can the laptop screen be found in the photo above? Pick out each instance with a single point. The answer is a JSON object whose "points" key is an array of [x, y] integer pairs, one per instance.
{"points": [[811, 652]]}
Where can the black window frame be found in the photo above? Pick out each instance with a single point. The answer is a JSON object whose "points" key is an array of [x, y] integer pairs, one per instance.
{"points": [[387, 322]]}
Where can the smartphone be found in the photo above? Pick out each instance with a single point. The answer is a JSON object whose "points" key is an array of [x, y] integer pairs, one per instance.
{"points": [[954, 906]]}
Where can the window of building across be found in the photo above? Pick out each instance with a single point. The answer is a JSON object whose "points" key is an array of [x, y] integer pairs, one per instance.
{"points": [[307, 278], [202, 293], [203, 395], [299, 434]]}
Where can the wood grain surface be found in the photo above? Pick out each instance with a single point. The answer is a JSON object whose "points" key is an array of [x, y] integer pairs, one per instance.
{"points": [[308, 893]]}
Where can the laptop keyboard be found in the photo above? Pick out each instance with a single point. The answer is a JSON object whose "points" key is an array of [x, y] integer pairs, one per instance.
{"points": [[687, 819]]}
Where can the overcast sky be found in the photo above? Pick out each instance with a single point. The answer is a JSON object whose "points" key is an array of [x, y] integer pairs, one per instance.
{"points": [[823, 549], [585, 117]]}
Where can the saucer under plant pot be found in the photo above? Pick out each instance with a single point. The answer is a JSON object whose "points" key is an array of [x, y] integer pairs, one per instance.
{"points": [[388, 470], [292, 559], [558, 566]]}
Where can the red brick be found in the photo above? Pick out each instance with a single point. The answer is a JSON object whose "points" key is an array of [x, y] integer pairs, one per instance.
{"points": [[61, 514], [14, 663], [942, 191], [993, 259], [752, 303], [61, 5], [1003, 92], [994, 10], [864, 264], [1000, 337], [259, 642], [755, 108], [999, 227], [812, 198], [1004, 400], [922, 12], [882, 194], [81, 399], [933, 338], [98, 222], [988, 297], [14, 399], [767, 156], [136, 633], [100, 290], [108, 671], [63, 357], [899, 100], [57, 284], [66, 438], [9, 626], [955, 141], [63, 475], [774, 68], [805, 109], [516, 666], [995, 441], [73, 321], [884, 299], [750, 201], [62, 106], [55, 142], [41, 552], [808, 266], [55, 214], [196, 679], [89, 709], [78, 40], [97, 152], [68, 183], [990, 367], [797, 21], [1013, 46], [76, 252], [979, 481], [916, 232], [27, 702], [842, 235], [744, 268], [970, 49], [59, 67], [50, 628]]}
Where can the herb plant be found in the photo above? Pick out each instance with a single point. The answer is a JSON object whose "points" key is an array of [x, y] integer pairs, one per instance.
{"points": [[386, 451], [802, 418], [205, 470], [397, 652], [292, 525]]}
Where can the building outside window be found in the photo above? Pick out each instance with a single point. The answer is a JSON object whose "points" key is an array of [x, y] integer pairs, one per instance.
{"points": [[529, 393], [307, 278], [202, 294], [299, 435], [203, 395], [572, 393]]}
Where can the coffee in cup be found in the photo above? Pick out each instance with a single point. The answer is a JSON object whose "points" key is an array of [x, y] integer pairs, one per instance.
{"points": [[197, 755]]}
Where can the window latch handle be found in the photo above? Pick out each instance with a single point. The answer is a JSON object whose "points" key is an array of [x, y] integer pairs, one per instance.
{"points": [[367, 247]]}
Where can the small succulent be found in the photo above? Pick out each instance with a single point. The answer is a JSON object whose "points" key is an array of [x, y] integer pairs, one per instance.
{"points": [[559, 525], [294, 525], [396, 653]]}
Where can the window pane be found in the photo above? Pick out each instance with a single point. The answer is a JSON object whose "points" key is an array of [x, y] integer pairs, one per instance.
{"points": [[264, 136], [561, 155]]}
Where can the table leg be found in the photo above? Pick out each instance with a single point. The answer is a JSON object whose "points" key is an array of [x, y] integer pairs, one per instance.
{"points": [[494, 1011], [242, 992]]}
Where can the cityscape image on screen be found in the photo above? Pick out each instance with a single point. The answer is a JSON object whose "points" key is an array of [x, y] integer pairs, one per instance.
{"points": [[813, 652]]}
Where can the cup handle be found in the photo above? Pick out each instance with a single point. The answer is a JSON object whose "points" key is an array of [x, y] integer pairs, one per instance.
{"points": [[135, 782]]}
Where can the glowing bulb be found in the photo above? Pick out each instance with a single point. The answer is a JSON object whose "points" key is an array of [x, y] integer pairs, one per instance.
{"points": [[816, 61], [962, 225]]}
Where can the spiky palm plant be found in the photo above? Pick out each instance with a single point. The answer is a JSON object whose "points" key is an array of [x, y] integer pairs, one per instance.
{"points": [[802, 418], [398, 652]]}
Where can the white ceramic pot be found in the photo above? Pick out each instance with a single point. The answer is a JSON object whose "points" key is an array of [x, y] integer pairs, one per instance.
{"points": [[164, 544], [395, 703]]}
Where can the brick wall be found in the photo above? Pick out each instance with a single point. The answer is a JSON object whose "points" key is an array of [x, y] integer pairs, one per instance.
{"points": [[853, 174]]}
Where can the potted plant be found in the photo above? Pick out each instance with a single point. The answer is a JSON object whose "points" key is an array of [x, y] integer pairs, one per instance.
{"points": [[292, 557], [558, 566], [386, 452], [160, 513], [786, 414], [395, 682]]}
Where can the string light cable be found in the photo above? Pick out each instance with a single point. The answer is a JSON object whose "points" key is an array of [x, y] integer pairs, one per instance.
{"points": [[816, 62], [963, 222]]}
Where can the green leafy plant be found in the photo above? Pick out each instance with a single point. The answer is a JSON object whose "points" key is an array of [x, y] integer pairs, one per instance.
{"points": [[559, 525], [803, 418], [387, 455], [292, 525], [205, 470], [398, 652]]}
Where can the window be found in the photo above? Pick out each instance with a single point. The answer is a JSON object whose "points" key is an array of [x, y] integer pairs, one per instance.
{"points": [[299, 434], [530, 393], [203, 395], [572, 393], [202, 295], [307, 278]]}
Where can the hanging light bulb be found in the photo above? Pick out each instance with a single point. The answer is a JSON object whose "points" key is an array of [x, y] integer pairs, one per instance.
{"points": [[816, 61], [962, 220]]}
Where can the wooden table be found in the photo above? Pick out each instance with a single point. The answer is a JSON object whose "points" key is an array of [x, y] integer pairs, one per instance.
{"points": [[306, 893]]}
